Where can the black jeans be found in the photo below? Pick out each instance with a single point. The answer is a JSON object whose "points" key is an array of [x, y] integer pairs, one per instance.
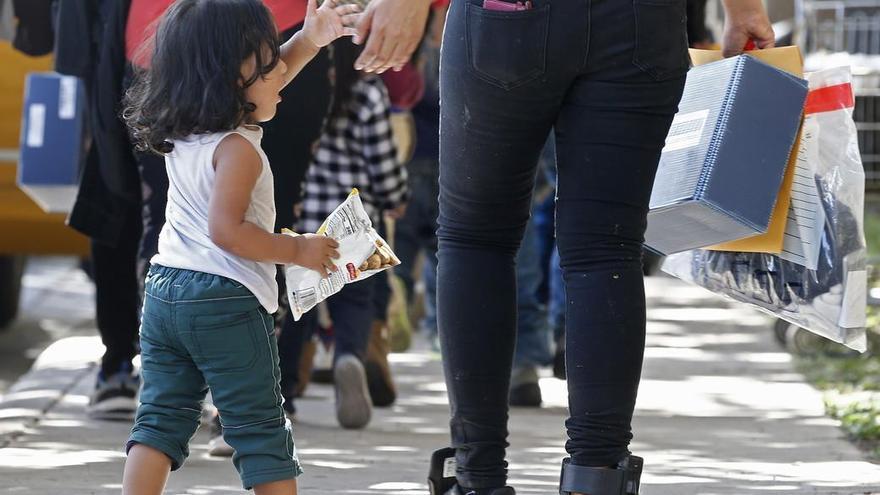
{"points": [[607, 76], [117, 300]]}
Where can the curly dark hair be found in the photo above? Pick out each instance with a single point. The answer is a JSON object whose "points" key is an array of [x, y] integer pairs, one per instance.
{"points": [[194, 83]]}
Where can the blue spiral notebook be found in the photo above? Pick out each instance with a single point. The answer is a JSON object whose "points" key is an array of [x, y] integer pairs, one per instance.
{"points": [[725, 155]]}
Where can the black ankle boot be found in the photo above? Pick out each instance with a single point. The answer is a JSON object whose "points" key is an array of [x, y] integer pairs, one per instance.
{"points": [[441, 477], [622, 480]]}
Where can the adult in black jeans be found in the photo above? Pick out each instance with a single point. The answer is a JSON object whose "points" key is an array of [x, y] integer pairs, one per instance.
{"points": [[607, 76]]}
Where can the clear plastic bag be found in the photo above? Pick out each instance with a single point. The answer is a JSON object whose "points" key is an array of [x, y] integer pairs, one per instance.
{"points": [[819, 281], [362, 254]]}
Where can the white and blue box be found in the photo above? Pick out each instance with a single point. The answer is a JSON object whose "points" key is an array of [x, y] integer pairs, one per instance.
{"points": [[725, 156], [51, 149]]}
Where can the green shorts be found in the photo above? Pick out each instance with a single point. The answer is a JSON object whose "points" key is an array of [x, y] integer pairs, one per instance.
{"points": [[201, 332]]}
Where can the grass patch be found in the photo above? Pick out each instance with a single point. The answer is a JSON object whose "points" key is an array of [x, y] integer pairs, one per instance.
{"points": [[851, 382], [852, 394], [861, 421], [872, 227], [872, 233]]}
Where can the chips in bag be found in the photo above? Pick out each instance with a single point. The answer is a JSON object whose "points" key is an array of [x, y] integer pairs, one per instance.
{"points": [[363, 253]]}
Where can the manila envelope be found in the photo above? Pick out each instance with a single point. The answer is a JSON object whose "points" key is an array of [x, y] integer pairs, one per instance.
{"points": [[788, 59]]}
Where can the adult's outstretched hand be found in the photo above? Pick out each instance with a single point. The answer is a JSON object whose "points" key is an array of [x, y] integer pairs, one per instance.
{"points": [[392, 30]]}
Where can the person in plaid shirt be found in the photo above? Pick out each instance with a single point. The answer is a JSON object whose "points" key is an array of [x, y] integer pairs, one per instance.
{"points": [[356, 150]]}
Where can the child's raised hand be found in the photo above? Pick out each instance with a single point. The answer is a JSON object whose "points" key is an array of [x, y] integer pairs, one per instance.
{"points": [[316, 252], [331, 21]]}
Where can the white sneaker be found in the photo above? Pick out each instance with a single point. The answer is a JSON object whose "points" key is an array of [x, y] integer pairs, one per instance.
{"points": [[353, 404], [218, 446]]}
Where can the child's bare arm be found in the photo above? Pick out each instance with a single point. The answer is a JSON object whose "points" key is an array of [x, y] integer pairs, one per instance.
{"points": [[322, 26], [237, 168]]}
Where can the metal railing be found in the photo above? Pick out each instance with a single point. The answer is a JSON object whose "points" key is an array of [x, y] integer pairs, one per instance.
{"points": [[851, 26]]}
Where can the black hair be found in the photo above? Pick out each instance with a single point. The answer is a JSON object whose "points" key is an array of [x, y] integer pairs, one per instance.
{"points": [[194, 84], [345, 53]]}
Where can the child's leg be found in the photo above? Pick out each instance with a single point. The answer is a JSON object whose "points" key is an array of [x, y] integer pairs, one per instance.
{"points": [[284, 487], [239, 359], [146, 471], [172, 393]]}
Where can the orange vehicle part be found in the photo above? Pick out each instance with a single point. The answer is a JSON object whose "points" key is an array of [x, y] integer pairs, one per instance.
{"points": [[24, 227]]}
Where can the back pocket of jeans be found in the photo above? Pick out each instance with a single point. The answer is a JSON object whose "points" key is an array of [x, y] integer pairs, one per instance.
{"points": [[661, 47], [226, 343], [507, 49]]}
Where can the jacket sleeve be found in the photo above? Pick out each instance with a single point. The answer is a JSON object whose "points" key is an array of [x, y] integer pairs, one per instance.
{"points": [[116, 156], [33, 33], [77, 25]]}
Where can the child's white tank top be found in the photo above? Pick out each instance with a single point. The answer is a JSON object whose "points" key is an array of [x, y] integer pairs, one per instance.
{"points": [[185, 241]]}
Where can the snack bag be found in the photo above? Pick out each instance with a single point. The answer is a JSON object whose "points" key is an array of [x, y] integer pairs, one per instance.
{"points": [[363, 253]]}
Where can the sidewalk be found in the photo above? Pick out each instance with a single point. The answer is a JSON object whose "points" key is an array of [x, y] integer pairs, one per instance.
{"points": [[720, 412]]}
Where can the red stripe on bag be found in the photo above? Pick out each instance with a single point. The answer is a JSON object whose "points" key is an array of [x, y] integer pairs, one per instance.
{"points": [[829, 98]]}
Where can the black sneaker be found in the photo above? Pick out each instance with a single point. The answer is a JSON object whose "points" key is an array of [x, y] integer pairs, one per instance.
{"points": [[115, 396]]}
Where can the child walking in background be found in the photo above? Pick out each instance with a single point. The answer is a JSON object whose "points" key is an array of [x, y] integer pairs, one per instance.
{"points": [[356, 150], [216, 72]]}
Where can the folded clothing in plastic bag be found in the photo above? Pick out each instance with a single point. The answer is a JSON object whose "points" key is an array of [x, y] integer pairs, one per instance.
{"points": [[819, 281]]}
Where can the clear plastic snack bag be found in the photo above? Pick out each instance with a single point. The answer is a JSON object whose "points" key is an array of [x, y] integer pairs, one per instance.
{"points": [[362, 254], [819, 280]]}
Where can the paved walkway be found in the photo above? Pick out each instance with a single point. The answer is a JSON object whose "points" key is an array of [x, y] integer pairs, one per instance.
{"points": [[720, 412]]}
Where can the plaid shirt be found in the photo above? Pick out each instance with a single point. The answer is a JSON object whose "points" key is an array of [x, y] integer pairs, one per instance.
{"points": [[356, 150]]}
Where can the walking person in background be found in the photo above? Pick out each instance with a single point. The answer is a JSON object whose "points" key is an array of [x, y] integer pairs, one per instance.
{"points": [[217, 72], [91, 45], [607, 76], [416, 232], [356, 150]]}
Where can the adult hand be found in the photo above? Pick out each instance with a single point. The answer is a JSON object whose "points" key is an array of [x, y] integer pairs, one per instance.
{"points": [[745, 20], [392, 29]]}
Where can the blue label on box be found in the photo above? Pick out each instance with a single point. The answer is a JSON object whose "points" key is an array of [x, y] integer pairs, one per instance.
{"points": [[52, 130]]}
